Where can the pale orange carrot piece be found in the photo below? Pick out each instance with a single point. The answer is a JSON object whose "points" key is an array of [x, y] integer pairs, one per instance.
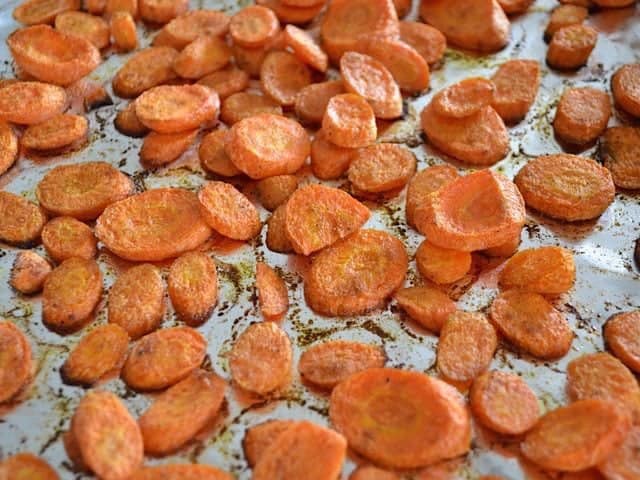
{"points": [[381, 167], [241, 105], [66, 237], [369, 472], [226, 82], [16, 361], [423, 184], [571, 47], [33, 12], [619, 147], [275, 191], [23, 221], [621, 333], [624, 463], [84, 25], [253, 26], [430, 307], [185, 28], [123, 31], [159, 149], [312, 100], [162, 11], [427, 41], [282, 76], [565, 16], [305, 48], [464, 98], [442, 265], [277, 239], [259, 437], [626, 88], [202, 56], [146, 69], [30, 103], [29, 272], [546, 270], [329, 161], [26, 466], [213, 157], [517, 83]]}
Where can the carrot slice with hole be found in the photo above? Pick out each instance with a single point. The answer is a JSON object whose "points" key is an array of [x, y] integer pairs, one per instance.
{"points": [[244, 105], [260, 360], [254, 26], [532, 324], [312, 100], [29, 103], [305, 48], [193, 287], [582, 115], [571, 47], [456, 216], [515, 7], [277, 239], [181, 472], [621, 333], [619, 150], [162, 11], [566, 187], [226, 82], [423, 184], [430, 307], [27, 466], [178, 414], [98, 353], [464, 98], [16, 361], [144, 70], [624, 463], [282, 76], [576, 437], [123, 31], [158, 149], [213, 157], [288, 14], [349, 121], [426, 40], [273, 295], [34, 12], [84, 25], [381, 167], [259, 437], [185, 28], [626, 88], [565, 16], [329, 161], [274, 191], [387, 416], [56, 133], [327, 364], [546, 270], [516, 87], [442, 265], [22, 221], [202, 56], [8, 147], [504, 403], [66, 237], [370, 472], [128, 123], [29, 272]]}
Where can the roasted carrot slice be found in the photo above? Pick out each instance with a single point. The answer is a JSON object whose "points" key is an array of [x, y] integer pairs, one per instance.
{"points": [[16, 362], [423, 184], [288, 14], [369, 472], [565, 16], [226, 82], [457, 215], [387, 416], [327, 364], [161, 148], [168, 223], [504, 403], [532, 324], [273, 296], [259, 437], [27, 466], [426, 40], [146, 69], [181, 472], [95, 7], [213, 157], [442, 265], [381, 167], [185, 28], [464, 98], [430, 307], [162, 11], [619, 150], [329, 161], [66, 237], [123, 31], [33, 12], [239, 106], [305, 48], [349, 121], [282, 76], [84, 25], [128, 123], [516, 87], [260, 360], [8, 147], [114, 6], [312, 452], [582, 115], [571, 47], [277, 239], [566, 187], [22, 221], [576, 437], [163, 358], [29, 103], [56, 133], [274, 191], [82, 190], [178, 414], [29, 272], [625, 88], [356, 274], [202, 56], [100, 352], [515, 7], [546, 270], [250, 59], [621, 333], [624, 463], [193, 287], [312, 100], [266, 145], [254, 26]]}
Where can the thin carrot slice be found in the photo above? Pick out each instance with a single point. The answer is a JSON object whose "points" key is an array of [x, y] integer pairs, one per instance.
{"points": [[357, 274], [184, 29], [168, 223], [566, 187], [178, 414], [29, 103], [370, 472], [369, 78], [254, 26], [619, 150], [277, 239], [516, 87], [84, 25], [282, 76], [136, 300], [582, 115], [532, 324], [181, 472], [312, 100], [98, 353], [34, 12], [163, 358], [56, 133], [161, 148], [546, 270], [622, 335], [146, 69], [273, 296], [457, 215], [8, 147], [213, 157], [226, 82], [29, 272], [571, 47], [27, 466], [244, 105], [423, 184], [260, 359], [202, 56], [464, 98], [426, 40], [266, 145], [305, 48], [327, 364], [565, 16], [162, 11], [295, 15], [387, 416], [114, 6], [504, 403], [349, 121], [626, 88], [128, 123], [123, 31], [442, 265], [66, 237], [21, 222], [259, 437], [311, 452], [576, 437], [430, 307], [107, 435], [16, 362], [193, 287], [381, 167], [274, 191], [624, 462], [329, 161], [515, 7]]}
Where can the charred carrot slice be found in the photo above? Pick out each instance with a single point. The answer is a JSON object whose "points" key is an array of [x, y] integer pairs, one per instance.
{"points": [[56, 133], [22, 222], [566, 187], [274, 191], [213, 157], [272, 291], [202, 56], [546, 270], [16, 361], [576, 437], [423, 184], [123, 31], [253, 26], [329, 161], [624, 462], [66, 237], [515, 7], [349, 121], [571, 47], [430, 307], [181, 472], [29, 103], [185, 28], [259, 437], [582, 115], [619, 150], [369, 472], [27, 466], [277, 239], [178, 414], [193, 287], [288, 14], [29, 272], [625, 87], [282, 76], [162, 11], [260, 360], [426, 40], [532, 324], [89, 27], [244, 105], [516, 87], [146, 69], [504, 403], [33, 12], [385, 415], [128, 123], [159, 149], [226, 82], [8, 146], [381, 167], [312, 100], [305, 48], [464, 98], [565, 16], [442, 265], [621, 335]]}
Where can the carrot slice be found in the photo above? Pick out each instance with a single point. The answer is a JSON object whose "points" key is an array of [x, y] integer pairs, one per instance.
{"points": [[213, 158], [381, 167], [27, 466], [565, 16], [185, 28], [312, 100], [626, 88], [244, 105], [282, 76], [621, 333], [95, 7], [93, 29], [128, 123], [34, 12], [16, 362], [277, 239], [507, 249], [162, 11], [327, 364], [423, 184], [515, 7], [22, 221], [254, 26], [303, 3], [582, 115], [161, 148], [272, 292], [370, 472], [546, 270], [329, 161], [576, 437], [98, 353], [532, 324], [516, 87], [349, 121], [442, 265], [387, 416], [464, 98], [114, 6], [82, 191], [288, 14], [260, 360], [356, 274], [29, 103], [250, 59], [181, 472], [266, 145], [504, 403], [178, 414], [259, 437], [571, 47], [619, 150], [274, 191], [193, 287], [624, 463], [457, 215], [304, 450], [29, 272], [144, 70], [202, 56], [305, 48], [426, 40], [56, 133], [430, 307], [566, 187], [226, 82], [613, 3], [8, 147], [66, 237], [123, 31]]}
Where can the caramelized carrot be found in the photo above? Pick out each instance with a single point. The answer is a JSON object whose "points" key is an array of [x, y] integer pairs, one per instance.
{"points": [[571, 47], [274, 191], [185, 28], [625, 88], [253, 26], [464, 98], [329, 161], [565, 16], [312, 100], [619, 149], [33, 12], [515, 7], [146, 69], [277, 239], [288, 14], [282, 76], [423, 184], [56, 133], [30, 103], [8, 147], [128, 123], [582, 115], [93, 29], [517, 83], [16, 361], [26, 466], [381, 167], [159, 149], [162, 11], [241, 105], [226, 82], [213, 157], [202, 56], [259, 437], [305, 48], [193, 287], [22, 222], [66, 237], [426, 40], [546, 270], [428, 306]]}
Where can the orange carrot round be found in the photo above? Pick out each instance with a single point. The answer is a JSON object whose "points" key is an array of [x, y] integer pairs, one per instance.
{"points": [[193, 287], [283, 76], [546, 270], [428, 306], [29, 272], [273, 296], [23, 221], [16, 361], [349, 121], [442, 265], [621, 333]]}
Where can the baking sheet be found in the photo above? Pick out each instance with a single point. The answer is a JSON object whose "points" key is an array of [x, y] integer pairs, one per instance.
{"points": [[607, 280]]}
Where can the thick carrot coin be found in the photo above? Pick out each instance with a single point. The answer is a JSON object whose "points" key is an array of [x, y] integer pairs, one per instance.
{"points": [[162, 11], [582, 115], [295, 15], [16, 362], [213, 157], [86, 26], [21, 222], [29, 103], [66, 237], [349, 121], [282, 76], [184, 29], [29, 272], [168, 223], [260, 360], [254, 26], [624, 463], [266, 145], [26, 466], [356, 274], [305, 48], [8, 147], [163, 358], [55, 133], [178, 414], [83, 190], [565, 16], [430, 307], [108, 436], [516, 87], [144, 70], [464, 98], [457, 215], [274, 191], [159, 149], [566, 187], [273, 295], [100, 352], [202, 56], [329, 161], [622, 335], [312, 100], [277, 239], [123, 31], [515, 7], [259, 437], [128, 123], [193, 287], [136, 300], [226, 82], [546, 270], [504, 403], [381, 167], [181, 472], [387, 416], [620, 150], [423, 184], [370, 472], [305, 450], [426, 40], [571, 47], [442, 265], [532, 324], [625, 87], [239, 106], [327, 364], [576, 437], [33, 12]]}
